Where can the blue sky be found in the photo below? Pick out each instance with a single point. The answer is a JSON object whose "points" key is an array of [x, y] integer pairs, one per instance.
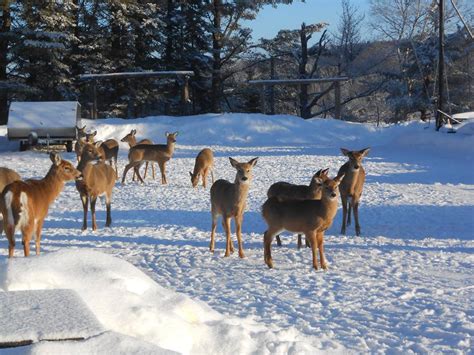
{"points": [[270, 20]]}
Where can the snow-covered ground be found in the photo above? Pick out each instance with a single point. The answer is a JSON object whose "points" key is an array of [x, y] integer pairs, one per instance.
{"points": [[405, 285]]}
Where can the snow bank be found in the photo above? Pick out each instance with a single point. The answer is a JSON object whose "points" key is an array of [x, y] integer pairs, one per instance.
{"points": [[127, 301], [241, 130]]}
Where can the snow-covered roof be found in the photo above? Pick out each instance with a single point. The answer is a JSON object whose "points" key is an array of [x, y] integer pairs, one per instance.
{"points": [[137, 74], [57, 114]]}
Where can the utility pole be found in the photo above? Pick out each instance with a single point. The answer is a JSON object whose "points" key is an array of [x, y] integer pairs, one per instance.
{"points": [[439, 121]]}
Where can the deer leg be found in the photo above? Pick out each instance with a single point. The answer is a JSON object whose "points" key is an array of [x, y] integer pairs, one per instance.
{"points": [[212, 175], [204, 178], [137, 172], [213, 231], [163, 172], [226, 224], [153, 170], [85, 202], [314, 247], [238, 230], [94, 223], [267, 246], [300, 243], [320, 239], [356, 218], [344, 214], [349, 210], [278, 240], [10, 232], [307, 242], [146, 170], [27, 232], [125, 171], [39, 227], [116, 170], [108, 201]]}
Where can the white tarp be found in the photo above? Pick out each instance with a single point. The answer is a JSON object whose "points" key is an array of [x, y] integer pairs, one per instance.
{"points": [[56, 118]]}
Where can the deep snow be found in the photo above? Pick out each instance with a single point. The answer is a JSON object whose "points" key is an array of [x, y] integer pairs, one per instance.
{"points": [[405, 284]]}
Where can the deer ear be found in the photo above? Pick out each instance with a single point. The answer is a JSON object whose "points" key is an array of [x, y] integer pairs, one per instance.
{"points": [[233, 162], [98, 144], [176, 133], [339, 178], [167, 133], [253, 162], [364, 152], [345, 151], [190, 173], [93, 134], [325, 172], [55, 158], [133, 132]]}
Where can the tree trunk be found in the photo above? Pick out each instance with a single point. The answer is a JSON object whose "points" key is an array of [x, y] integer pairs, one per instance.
{"points": [[216, 55], [305, 111], [6, 22]]}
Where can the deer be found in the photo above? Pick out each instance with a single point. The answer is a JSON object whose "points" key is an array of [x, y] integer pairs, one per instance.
{"points": [[25, 204], [7, 176], [229, 201], [160, 153], [132, 141], [83, 137], [351, 186], [203, 164], [310, 217], [285, 191], [97, 179]]}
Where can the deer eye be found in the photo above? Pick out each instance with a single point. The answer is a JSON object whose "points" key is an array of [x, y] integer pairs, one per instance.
{"points": [[67, 170]]}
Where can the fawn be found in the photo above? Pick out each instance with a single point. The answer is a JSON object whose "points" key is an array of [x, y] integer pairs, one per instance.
{"points": [[7, 176], [97, 179], [310, 217], [25, 204], [204, 163], [159, 153], [285, 191], [351, 186], [229, 200], [132, 141]]}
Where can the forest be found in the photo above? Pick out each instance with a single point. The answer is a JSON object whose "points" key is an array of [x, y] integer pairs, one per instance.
{"points": [[45, 47]]}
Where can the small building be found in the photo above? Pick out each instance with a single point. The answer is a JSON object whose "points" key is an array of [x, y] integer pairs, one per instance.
{"points": [[51, 122]]}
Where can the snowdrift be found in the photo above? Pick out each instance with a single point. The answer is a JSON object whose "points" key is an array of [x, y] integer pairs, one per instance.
{"points": [[130, 304]]}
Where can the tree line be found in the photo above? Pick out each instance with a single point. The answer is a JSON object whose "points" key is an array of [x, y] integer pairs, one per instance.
{"points": [[46, 45]]}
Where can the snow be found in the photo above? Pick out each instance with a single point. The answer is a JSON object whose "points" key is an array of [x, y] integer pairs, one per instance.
{"points": [[45, 314], [405, 285]]}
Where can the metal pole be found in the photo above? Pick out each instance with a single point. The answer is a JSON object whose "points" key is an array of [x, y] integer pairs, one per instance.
{"points": [[272, 88], [439, 121], [337, 99]]}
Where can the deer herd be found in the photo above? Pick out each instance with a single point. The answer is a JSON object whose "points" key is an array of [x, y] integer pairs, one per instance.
{"points": [[302, 209]]}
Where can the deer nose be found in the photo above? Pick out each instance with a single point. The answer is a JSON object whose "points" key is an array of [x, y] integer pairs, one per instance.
{"points": [[356, 167], [333, 194], [245, 178]]}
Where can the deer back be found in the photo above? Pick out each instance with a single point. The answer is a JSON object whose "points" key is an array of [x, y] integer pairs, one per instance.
{"points": [[97, 179], [204, 160], [7, 176], [109, 149], [286, 191]]}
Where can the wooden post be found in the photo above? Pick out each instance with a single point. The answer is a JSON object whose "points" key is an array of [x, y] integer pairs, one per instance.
{"points": [[337, 99], [272, 88], [94, 99], [439, 116], [262, 98]]}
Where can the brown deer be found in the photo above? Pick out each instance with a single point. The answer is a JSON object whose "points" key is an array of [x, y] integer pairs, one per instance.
{"points": [[285, 191], [159, 153], [82, 137], [310, 217], [97, 179], [7, 176], [351, 186], [132, 141], [25, 204], [229, 200], [203, 164]]}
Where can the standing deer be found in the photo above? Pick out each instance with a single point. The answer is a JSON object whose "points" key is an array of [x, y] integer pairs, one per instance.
{"points": [[229, 200], [97, 179], [159, 153], [82, 137], [310, 217], [285, 191], [204, 162], [24, 204], [132, 141], [7, 176], [351, 186]]}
